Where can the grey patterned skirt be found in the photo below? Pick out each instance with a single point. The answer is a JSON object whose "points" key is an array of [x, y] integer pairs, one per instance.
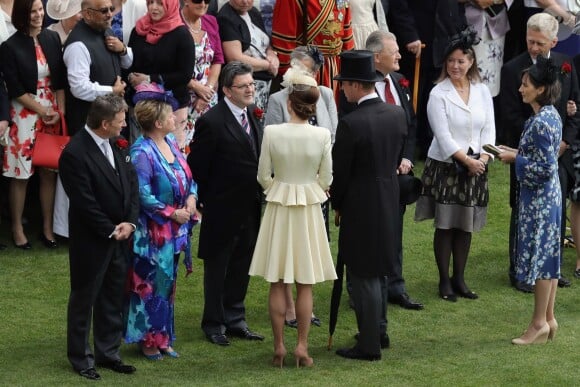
{"points": [[453, 199], [575, 194]]}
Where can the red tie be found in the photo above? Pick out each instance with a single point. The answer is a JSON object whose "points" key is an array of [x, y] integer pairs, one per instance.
{"points": [[389, 98]]}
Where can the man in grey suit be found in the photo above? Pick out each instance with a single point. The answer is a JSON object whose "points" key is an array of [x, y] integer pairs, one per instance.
{"points": [[393, 89], [365, 197]]}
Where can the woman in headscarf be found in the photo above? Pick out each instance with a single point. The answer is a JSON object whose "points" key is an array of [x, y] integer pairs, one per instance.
{"points": [[164, 53]]}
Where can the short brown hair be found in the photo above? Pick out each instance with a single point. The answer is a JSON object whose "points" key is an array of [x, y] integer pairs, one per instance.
{"points": [[148, 111], [105, 108]]}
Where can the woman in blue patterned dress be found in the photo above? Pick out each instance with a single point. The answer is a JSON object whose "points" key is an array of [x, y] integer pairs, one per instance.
{"points": [[540, 203], [167, 197]]}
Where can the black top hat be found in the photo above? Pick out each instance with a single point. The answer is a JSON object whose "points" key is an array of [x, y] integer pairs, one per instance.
{"points": [[358, 65], [409, 188]]}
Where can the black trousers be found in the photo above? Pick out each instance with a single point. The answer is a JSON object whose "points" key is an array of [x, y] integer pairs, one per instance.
{"points": [[370, 306], [102, 299], [226, 279]]}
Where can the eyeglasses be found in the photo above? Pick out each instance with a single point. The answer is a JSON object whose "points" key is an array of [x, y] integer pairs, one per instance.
{"points": [[103, 11], [246, 86], [200, 1]]}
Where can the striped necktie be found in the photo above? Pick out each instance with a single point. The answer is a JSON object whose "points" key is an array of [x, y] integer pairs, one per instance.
{"points": [[245, 124]]}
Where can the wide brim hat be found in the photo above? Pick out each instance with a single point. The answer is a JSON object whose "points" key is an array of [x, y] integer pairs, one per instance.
{"points": [[409, 189], [358, 65], [153, 91], [62, 9]]}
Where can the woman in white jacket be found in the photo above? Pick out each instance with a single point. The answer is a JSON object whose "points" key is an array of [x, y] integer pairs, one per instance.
{"points": [[455, 192]]}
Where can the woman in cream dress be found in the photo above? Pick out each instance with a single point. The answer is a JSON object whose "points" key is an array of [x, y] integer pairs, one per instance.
{"points": [[367, 16], [292, 246]]}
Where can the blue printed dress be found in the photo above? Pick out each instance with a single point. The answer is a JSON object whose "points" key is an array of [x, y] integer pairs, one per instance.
{"points": [[540, 198], [158, 241]]}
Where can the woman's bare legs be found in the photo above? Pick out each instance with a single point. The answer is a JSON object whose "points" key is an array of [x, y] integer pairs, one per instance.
{"points": [[277, 308], [303, 314], [17, 197], [47, 191]]}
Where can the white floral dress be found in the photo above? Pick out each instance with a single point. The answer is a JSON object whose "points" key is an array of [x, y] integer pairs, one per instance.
{"points": [[25, 123]]}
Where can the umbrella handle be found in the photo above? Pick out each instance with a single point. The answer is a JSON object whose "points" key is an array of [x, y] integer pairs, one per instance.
{"points": [[416, 78], [329, 347]]}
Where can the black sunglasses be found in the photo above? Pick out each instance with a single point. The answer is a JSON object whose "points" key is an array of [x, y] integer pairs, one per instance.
{"points": [[200, 1], [103, 11]]}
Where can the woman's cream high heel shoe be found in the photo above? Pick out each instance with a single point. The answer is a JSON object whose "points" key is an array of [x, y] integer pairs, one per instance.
{"points": [[553, 324], [303, 360], [541, 337]]}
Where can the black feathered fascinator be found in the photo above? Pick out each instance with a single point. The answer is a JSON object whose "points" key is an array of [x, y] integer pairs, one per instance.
{"points": [[544, 72], [316, 56], [462, 40]]}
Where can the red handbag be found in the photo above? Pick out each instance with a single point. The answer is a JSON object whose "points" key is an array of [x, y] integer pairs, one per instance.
{"points": [[48, 147]]}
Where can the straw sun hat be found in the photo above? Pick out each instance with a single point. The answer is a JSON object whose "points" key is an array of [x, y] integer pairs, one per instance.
{"points": [[62, 9]]}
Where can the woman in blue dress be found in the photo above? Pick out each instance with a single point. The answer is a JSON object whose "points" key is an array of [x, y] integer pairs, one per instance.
{"points": [[167, 198], [540, 203]]}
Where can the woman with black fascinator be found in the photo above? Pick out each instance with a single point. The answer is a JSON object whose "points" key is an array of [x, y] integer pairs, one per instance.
{"points": [[455, 194], [539, 200]]}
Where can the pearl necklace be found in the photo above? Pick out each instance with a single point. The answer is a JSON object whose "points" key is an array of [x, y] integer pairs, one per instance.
{"points": [[191, 28]]}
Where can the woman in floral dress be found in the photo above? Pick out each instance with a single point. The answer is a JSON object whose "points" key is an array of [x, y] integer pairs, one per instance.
{"points": [[539, 201], [34, 75], [208, 63], [167, 197]]}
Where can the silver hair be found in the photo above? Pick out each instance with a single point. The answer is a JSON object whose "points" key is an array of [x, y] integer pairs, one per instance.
{"points": [[375, 40], [544, 23]]}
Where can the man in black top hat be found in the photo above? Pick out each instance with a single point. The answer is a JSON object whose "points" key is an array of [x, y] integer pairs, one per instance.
{"points": [[365, 197]]}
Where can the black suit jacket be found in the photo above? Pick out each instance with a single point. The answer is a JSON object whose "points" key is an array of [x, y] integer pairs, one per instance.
{"points": [[514, 112], [365, 188], [408, 149], [19, 62], [4, 101], [100, 198], [225, 168], [401, 21]]}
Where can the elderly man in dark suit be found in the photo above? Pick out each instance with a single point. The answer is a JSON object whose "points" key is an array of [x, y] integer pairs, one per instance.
{"points": [[101, 183], [224, 161], [393, 89], [541, 36], [365, 197]]}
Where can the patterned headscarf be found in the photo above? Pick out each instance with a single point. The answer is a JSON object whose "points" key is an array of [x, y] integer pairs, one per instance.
{"points": [[153, 31]]}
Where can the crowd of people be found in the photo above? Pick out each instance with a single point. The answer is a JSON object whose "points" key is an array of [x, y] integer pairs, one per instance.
{"points": [[200, 111]]}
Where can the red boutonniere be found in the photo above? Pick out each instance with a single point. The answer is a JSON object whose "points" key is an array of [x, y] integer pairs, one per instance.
{"points": [[404, 83], [566, 68], [122, 143], [258, 113]]}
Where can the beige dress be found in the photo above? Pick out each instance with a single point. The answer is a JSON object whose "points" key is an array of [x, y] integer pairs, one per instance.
{"points": [[363, 20], [292, 245]]}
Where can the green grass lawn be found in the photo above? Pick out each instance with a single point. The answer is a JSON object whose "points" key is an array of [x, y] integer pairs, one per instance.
{"points": [[465, 343]]}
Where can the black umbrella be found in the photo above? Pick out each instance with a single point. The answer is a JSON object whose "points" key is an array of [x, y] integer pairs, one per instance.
{"points": [[335, 299]]}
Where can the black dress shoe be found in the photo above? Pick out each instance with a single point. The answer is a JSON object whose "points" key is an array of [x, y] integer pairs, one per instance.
{"points": [[564, 282], [465, 293], [90, 373], [355, 353], [218, 339], [118, 366], [244, 333], [523, 287], [48, 243], [24, 246], [451, 297], [385, 341], [315, 321], [405, 302], [291, 323]]}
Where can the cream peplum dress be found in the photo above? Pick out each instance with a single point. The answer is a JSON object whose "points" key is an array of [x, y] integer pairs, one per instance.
{"points": [[292, 245]]}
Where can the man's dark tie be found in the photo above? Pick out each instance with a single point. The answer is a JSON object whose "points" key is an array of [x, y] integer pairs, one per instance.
{"points": [[245, 124], [389, 98]]}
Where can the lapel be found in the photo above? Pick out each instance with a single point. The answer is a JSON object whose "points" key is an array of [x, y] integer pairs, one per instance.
{"points": [[452, 96], [235, 129], [256, 128], [100, 161], [122, 158], [403, 95]]}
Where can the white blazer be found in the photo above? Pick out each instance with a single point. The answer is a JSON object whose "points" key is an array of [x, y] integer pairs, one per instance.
{"points": [[456, 125]]}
